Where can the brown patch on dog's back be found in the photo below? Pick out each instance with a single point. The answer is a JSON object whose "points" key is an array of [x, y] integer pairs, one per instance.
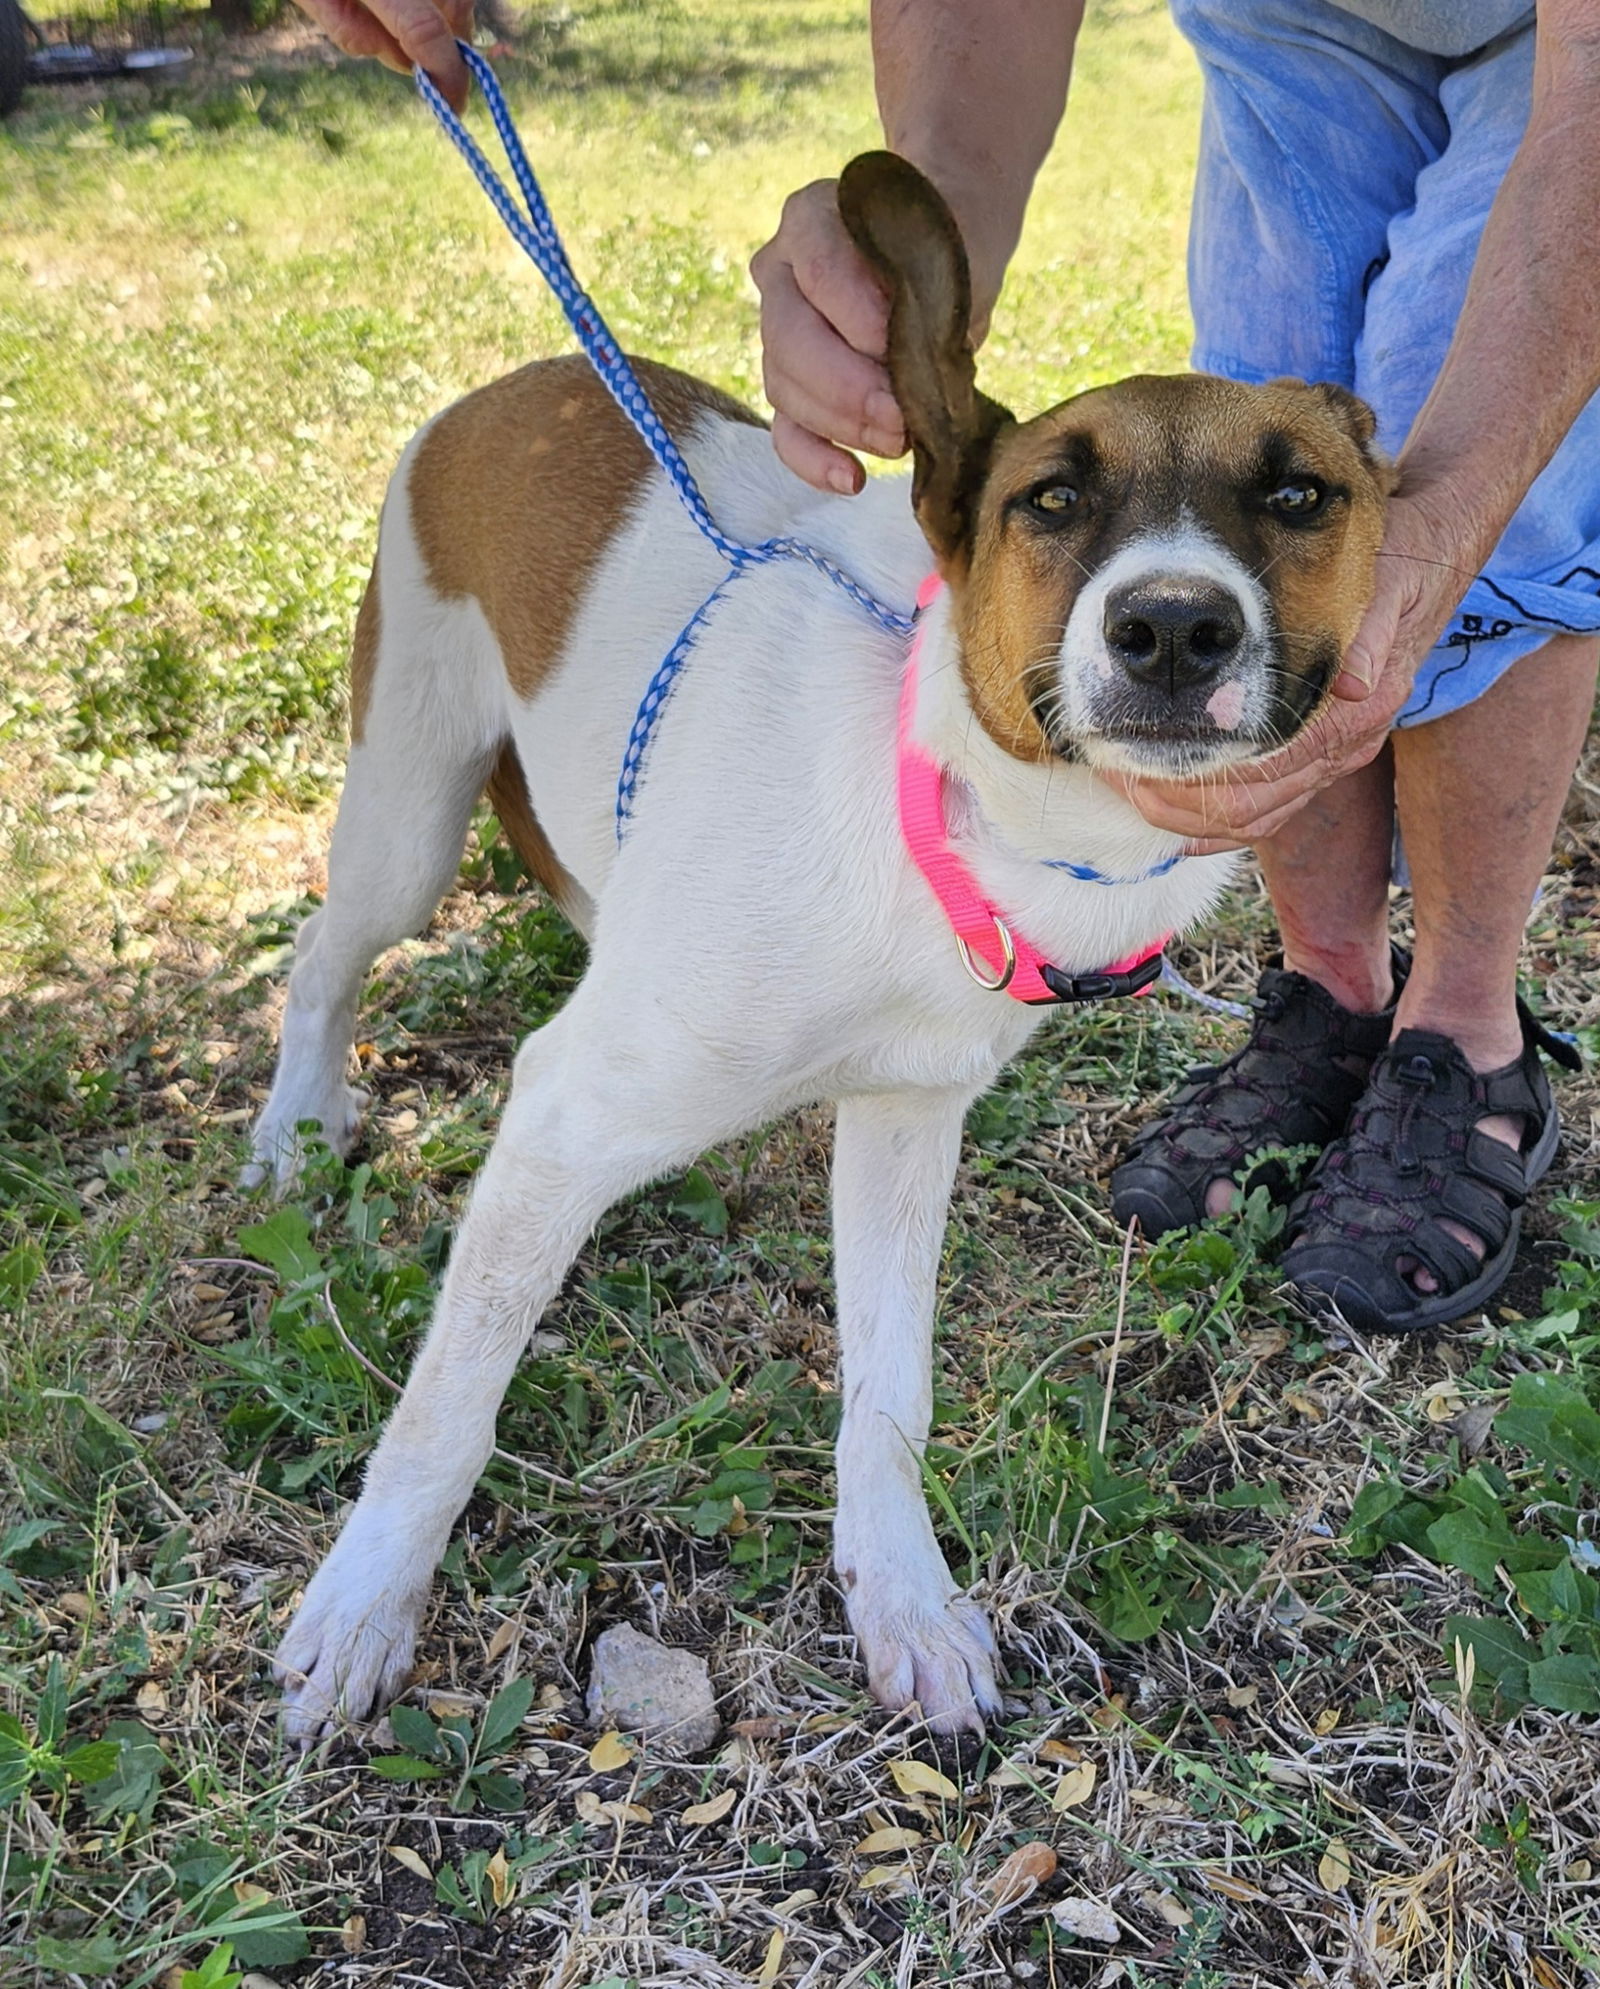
{"points": [[517, 490]]}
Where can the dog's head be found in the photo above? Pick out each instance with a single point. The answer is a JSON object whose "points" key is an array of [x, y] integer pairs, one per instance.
{"points": [[1159, 576]]}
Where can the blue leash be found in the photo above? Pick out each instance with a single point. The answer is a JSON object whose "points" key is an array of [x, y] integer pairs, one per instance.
{"points": [[535, 234]]}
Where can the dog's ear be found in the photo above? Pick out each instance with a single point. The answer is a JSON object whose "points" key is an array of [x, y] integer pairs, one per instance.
{"points": [[901, 224]]}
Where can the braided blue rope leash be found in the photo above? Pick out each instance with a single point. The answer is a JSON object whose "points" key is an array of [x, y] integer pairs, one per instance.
{"points": [[536, 235]]}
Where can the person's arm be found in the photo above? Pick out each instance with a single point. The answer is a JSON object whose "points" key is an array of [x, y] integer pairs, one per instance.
{"points": [[1523, 363], [401, 33], [972, 95]]}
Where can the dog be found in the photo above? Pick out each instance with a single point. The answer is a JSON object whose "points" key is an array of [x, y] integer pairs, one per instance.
{"points": [[1158, 576]]}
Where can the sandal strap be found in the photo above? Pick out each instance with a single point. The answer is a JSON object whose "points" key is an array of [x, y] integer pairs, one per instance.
{"points": [[1293, 1082]]}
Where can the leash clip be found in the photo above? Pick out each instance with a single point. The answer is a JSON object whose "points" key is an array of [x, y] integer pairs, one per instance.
{"points": [[1008, 956]]}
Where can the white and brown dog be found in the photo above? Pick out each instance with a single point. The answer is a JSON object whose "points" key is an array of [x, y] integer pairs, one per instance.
{"points": [[1156, 575]]}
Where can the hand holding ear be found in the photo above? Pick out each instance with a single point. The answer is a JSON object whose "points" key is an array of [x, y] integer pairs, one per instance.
{"points": [[1418, 586], [824, 334], [402, 34]]}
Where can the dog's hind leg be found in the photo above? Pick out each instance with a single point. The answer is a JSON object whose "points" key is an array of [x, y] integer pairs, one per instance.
{"points": [[594, 1113], [894, 1162], [414, 774]]}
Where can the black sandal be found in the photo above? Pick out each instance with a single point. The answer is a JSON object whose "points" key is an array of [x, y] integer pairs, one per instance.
{"points": [[1374, 1209], [1294, 1083]]}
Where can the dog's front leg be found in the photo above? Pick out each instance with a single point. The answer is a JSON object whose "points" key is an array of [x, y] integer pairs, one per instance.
{"points": [[894, 1162], [575, 1137]]}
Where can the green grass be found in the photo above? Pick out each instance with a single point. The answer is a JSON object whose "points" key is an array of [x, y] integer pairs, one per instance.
{"points": [[222, 310]]}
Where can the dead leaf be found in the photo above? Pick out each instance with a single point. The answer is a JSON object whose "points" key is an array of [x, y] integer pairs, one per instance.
{"points": [[1228, 1886], [1087, 1920], [793, 1901], [1075, 1787], [1240, 1696], [1027, 1868], [451, 1705], [353, 1934], [498, 1873], [1579, 1872], [712, 1811], [1545, 1975], [1112, 1711], [1171, 1909], [248, 1894], [404, 1855], [894, 1838], [151, 1698], [1333, 1867], [916, 1778], [550, 1699], [768, 1727], [1266, 1343], [1442, 1402], [1009, 1776], [609, 1754], [589, 1807], [880, 1876], [773, 1961], [1306, 1405], [1059, 1750], [1326, 1721], [503, 1639]]}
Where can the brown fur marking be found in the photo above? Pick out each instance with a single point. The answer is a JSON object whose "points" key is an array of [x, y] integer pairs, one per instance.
{"points": [[507, 792], [517, 490], [364, 656]]}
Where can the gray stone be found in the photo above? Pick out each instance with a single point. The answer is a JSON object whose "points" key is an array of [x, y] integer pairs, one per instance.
{"points": [[641, 1686]]}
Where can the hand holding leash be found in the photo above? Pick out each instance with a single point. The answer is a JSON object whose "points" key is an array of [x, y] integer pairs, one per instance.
{"points": [[402, 34]]}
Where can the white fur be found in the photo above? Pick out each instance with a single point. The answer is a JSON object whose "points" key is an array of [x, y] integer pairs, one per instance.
{"points": [[1086, 668], [760, 941]]}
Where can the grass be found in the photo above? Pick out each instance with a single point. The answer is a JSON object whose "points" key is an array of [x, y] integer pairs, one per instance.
{"points": [[1302, 1638]]}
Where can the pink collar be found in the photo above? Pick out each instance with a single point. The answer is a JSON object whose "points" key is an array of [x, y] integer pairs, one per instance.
{"points": [[980, 932]]}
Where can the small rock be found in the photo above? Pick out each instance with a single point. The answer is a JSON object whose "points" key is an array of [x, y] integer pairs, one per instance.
{"points": [[1087, 1920], [643, 1687]]}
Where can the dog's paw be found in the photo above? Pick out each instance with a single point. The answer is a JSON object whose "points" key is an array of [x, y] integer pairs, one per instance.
{"points": [[932, 1647], [278, 1147], [349, 1648]]}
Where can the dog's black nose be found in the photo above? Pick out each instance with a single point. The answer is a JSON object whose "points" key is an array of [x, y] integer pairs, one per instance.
{"points": [[1172, 631]]}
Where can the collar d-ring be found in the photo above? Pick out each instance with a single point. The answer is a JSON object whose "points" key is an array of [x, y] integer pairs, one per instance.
{"points": [[990, 983]]}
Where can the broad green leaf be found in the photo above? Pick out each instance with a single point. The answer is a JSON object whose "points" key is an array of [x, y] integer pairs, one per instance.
{"points": [[415, 1731], [1570, 1684], [697, 1198], [98, 1955], [284, 1243], [498, 1792], [277, 1938], [93, 1761], [53, 1706], [1554, 1422], [502, 1716], [1467, 1541], [1495, 1643]]}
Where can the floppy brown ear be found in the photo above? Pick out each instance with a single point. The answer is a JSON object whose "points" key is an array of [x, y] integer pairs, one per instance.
{"points": [[901, 224]]}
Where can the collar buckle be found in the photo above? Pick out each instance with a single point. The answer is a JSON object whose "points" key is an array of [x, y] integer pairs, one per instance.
{"points": [[1102, 987]]}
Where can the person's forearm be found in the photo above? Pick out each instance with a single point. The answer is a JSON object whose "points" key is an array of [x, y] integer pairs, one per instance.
{"points": [[1525, 357], [972, 92]]}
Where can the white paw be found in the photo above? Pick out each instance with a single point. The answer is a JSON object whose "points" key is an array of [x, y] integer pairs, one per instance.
{"points": [[928, 1643], [278, 1146], [349, 1648]]}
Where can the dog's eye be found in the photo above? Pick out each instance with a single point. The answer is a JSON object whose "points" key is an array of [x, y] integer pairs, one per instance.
{"points": [[1054, 499], [1297, 499]]}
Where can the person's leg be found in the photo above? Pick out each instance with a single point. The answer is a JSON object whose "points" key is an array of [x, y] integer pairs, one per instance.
{"points": [[1480, 796]]}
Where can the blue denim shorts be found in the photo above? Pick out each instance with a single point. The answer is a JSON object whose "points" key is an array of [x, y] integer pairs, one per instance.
{"points": [[1344, 181]]}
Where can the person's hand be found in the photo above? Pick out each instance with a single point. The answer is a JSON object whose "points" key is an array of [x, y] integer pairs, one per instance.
{"points": [[402, 33], [1416, 595], [824, 327]]}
